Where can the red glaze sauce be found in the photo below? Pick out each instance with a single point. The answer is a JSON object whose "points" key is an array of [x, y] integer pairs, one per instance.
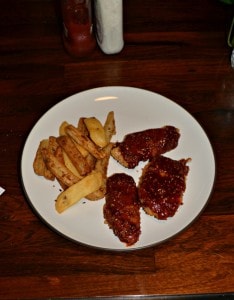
{"points": [[162, 186], [78, 35], [121, 210], [144, 145]]}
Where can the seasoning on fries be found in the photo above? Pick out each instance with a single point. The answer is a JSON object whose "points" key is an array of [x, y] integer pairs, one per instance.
{"points": [[78, 159]]}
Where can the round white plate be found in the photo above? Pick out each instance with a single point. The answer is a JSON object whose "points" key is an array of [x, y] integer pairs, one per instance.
{"points": [[135, 110]]}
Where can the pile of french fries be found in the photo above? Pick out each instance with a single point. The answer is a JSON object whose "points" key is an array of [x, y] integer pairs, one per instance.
{"points": [[78, 159]]}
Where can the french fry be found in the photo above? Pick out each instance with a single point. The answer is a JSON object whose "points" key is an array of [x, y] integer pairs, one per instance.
{"points": [[39, 165], [62, 131], [52, 144], [82, 127], [68, 163], [62, 128], [76, 192], [91, 160], [98, 194], [109, 126], [78, 158], [58, 169], [96, 131], [84, 141], [82, 150], [59, 155], [101, 166], [74, 154]]}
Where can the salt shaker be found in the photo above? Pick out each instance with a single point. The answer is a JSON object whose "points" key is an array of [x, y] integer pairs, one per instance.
{"points": [[78, 34], [109, 25]]}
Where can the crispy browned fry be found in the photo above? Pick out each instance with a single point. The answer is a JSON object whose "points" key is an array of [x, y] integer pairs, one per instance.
{"points": [[62, 128], [52, 145], [68, 163], [39, 165], [74, 154], [101, 166], [84, 141], [82, 127], [82, 150], [109, 126], [77, 191], [60, 171], [77, 162], [59, 155], [62, 131], [91, 160]]}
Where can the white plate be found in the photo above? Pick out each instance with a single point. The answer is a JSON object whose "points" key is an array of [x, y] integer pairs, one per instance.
{"points": [[135, 110]]}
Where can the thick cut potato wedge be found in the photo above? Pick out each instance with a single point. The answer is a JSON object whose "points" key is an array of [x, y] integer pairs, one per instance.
{"points": [[58, 169], [74, 154], [91, 160], [52, 145], [101, 166], [78, 159], [82, 150], [68, 163], [62, 131], [76, 192], [109, 126], [82, 127], [96, 131], [62, 128], [39, 165], [59, 155], [84, 141]]}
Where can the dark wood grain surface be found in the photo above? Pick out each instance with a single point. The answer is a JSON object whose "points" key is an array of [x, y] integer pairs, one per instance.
{"points": [[175, 48]]}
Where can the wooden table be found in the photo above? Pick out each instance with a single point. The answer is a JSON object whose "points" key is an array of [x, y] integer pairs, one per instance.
{"points": [[175, 48]]}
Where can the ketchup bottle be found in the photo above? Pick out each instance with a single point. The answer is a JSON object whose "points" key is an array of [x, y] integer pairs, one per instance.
{"points": [[78, 37]]}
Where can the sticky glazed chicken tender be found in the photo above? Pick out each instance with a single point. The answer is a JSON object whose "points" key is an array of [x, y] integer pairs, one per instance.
{"points": [[162, 185], [144, 145], [122, 209]]}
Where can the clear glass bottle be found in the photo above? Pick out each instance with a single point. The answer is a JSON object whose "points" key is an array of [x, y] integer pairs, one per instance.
{"points": [[78, 34]]}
